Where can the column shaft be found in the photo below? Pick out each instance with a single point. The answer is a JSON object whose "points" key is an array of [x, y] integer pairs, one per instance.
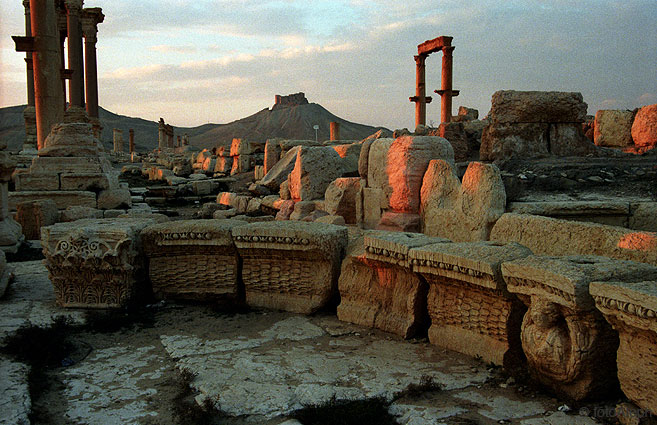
{"points": [[75, 60], [420, 91], [446, 85]]}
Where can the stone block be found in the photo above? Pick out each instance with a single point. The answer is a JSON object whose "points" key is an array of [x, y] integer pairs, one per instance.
{"points": [[569, 346], [400, 222], [77, 213], [643, 216], [511, 106], [290, 265], [551, 236], [85, 181], [314, 169], [114, 198], [37, 181], [4, 274], [341, 198], [373, 199], [63, 199], [272, 154], [470, 309], [644, 127], [631, 308], [613, 213], [514, 140], [568, 139], [613, 128], [66, 165], [377, 286], [193, 259], [281, 170], [302, 209], [258, 172], [32, 215], [96, 263]]}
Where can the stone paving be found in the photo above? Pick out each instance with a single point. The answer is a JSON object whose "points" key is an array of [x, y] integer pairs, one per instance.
{"points": [[257, 367]]}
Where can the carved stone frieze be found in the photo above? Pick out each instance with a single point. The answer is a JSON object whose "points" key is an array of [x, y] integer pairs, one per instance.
{"points": [[95, 263], [193, 259], [631, 308], [292, 266], [393, 247]]}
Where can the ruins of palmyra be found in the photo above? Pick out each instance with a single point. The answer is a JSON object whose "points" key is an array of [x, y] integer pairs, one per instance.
{"points": [[412, 242]]}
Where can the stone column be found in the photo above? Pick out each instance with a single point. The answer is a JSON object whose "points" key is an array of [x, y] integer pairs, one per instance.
{"points": [[185, 140], [75, 59], [179, 142], [446, 85], [118, 140], [131, 140], [90, 20], [169, 136], [420, 91], [334, 127], [161, 135], [47, 68], [29, 114]]}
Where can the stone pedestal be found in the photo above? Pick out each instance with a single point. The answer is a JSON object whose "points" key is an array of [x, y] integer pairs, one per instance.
{"points": [[470, 309], [96, 263], [570, 348], [378, 288], [290, 265], [631, 308], [193, 259]]}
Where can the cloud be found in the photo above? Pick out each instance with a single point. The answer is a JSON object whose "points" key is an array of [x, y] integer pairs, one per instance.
{"points": [[164, 48], [646, 99]]}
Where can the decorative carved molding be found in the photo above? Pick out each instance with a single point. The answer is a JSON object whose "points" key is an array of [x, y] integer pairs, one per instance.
{"points": [[625, 307], [516, 282]]}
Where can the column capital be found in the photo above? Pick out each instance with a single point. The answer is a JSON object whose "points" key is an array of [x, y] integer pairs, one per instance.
{"points": [[73, 6], [26, 5], [420, 59], [447, 50], [90, 18]]}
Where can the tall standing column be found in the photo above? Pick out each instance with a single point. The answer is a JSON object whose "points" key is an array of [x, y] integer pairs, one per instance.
{"points": [[47, 67], [75, 60], [161, 135], [131, 140], [29, 114], [420, 91], [446, 85], [90, 19], [334, 130]]}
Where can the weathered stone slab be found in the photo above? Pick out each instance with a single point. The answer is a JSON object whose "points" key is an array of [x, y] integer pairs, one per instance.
{"points": [[613, 213], [569, 346], [37, 181], [631, 308], [550, 236], [62, 199], [193, 259], [315, 168], [85, 181], [290, 265], [514, 140], [341, 198], [65, 165], [613, 128], [644, 216], [95, 263], [470, 309], [32, 215], [281, 170], [378, 288], [373, 200], [511, 106], [644, 128], [272, 154]]}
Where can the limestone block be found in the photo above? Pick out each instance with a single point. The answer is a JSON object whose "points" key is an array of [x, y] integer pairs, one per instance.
{"points": [[510, 106], [514, 140], [239, 147], [284, 191], [272, 154], [315, 168], [568, 344], [281, 170], [4, 274], [338, 220], [224, 164], [290, 265], [470, 309], [550, 236], [209, 165], [462, 211], [114, 198], [96, 263], [32, 215], [37, 181], [287, 145], [85, 181], [302, 209], [364, 155], [193, 259], [258, 172], [73, 213], [204, 187], [631, 308], [11, 236], [373, 203], [65, 165], [378, 288], [241, 164], [70, 140], [350, 153], [341, 197], [400, 222], [454, 132], [644, 128], [398, 167], [568, 139], [643, 216], [62, 199], [233, 200], [285, 210], [613, 128]]}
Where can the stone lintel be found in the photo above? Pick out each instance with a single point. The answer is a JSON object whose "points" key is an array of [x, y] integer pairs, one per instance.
{"points": [[565, 280], [634, 303], [393, 247], [189, 232], [434, 45], [570, 208], [66, 165], [478, 263], [62, 199]]}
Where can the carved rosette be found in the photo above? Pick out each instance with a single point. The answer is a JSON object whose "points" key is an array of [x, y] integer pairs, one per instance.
{"points": [[631, 308], [95, 263], [193, 259], [291, 266]]}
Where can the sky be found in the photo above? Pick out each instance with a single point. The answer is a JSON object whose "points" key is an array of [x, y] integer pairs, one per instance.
{"points": [[215, 61]]}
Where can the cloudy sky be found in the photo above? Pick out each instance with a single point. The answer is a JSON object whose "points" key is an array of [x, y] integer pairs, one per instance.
{"points": [[200, 61]]}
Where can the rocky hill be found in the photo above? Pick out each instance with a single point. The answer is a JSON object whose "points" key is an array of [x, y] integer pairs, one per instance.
{"points": [[288, 120]]}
